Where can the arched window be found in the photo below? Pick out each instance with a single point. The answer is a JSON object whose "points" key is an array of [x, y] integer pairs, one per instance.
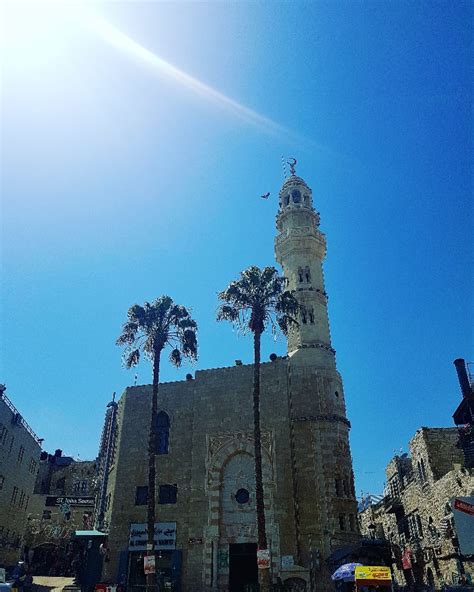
{"points": [[307, 274], [300, 274], [162, 433]]}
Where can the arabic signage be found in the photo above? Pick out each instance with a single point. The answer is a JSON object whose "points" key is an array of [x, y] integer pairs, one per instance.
{"points": [[165, 536], [373, 572], [70, 500], [463, 514]]}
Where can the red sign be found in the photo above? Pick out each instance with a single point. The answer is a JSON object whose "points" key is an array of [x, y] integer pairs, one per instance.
{"points": [[464, 507], [406, 559], [263, 558]]}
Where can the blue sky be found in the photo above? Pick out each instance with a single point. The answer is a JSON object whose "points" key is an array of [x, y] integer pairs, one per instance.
{"points": [[121, 183]]}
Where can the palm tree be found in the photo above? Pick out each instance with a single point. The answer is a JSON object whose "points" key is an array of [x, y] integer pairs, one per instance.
{"points": [[149, 329], [253, 302]]}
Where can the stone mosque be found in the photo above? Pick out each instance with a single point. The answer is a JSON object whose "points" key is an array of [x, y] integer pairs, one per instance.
{"points": [[206, 529]]}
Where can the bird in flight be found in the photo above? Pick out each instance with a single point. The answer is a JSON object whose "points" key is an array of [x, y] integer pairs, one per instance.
{"points": [[265, 196]]}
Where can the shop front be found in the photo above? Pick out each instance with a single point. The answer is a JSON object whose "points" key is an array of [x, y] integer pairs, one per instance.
{"points": [[168, 559]]}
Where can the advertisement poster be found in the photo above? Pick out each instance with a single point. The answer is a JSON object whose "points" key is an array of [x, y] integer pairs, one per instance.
{"points": [[372, 573], [263, 558], [149, 564]]}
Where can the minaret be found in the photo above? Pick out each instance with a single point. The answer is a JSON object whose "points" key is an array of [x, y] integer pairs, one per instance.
{"points": [[104, 459], [300, 248], [325, 510]]}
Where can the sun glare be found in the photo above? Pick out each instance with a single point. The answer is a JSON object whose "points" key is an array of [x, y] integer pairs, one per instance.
{"points": [[33, 27], [41, 32]]}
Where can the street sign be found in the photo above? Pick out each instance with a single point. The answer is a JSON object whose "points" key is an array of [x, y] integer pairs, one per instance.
{"points": [[263, 558], [149, 564]]}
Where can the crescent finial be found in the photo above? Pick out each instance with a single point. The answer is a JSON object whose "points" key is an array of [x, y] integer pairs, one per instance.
{"points": [[292, 162]]}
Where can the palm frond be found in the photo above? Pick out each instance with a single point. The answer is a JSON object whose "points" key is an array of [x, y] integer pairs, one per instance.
{"points": [[256, 298], [153, 326], [175, 357], [131, 358]]}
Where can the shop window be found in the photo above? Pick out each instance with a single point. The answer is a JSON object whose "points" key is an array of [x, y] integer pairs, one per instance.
{"points": [[162, 433], [141, 496], [168, 494]]}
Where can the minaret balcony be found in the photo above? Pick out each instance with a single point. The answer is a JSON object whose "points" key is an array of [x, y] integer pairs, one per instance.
{"points": [[301, 237]]}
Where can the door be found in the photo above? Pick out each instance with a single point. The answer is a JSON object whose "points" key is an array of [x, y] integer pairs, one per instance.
{"points": [[243, 571]]}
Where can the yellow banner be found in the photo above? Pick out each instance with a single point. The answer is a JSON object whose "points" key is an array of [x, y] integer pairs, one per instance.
{"points": [[371, 572]]}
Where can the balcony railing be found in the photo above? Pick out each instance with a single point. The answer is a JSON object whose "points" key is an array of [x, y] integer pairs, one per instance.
{"points": [[19, 419]]}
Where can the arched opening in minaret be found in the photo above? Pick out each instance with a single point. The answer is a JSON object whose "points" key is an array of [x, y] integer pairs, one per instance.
{"points": [[304, 318], [296, 195]]}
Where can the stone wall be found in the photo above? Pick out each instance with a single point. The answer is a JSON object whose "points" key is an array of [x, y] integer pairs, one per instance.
{"points": [[19, 460], [417, 518], [309, 495]]}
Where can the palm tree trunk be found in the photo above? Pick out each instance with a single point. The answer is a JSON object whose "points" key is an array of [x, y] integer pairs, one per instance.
{"points": [[263, 574], [151, 577]]}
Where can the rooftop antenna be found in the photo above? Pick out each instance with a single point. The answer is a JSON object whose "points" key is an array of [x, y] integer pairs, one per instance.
{"points": [[283, 164]]}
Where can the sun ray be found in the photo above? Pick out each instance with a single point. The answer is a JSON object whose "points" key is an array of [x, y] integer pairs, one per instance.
{"points": [[123, 42]]}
